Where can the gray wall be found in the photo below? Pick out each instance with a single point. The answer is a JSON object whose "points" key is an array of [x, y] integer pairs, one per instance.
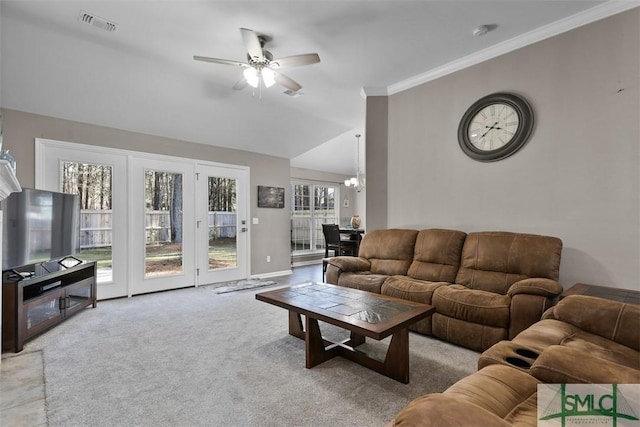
{"points": [[269, 237], [378, 188], [577, 178]]}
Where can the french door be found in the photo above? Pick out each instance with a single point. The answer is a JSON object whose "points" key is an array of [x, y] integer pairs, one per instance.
{"points": [[162, 236], [101, 181], [222, 227], [152, 222]]}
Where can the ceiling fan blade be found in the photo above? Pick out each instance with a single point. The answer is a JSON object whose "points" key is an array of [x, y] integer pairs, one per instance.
{"points": [[220, 61], [240, 84], [252, 44], [287, 82], [295, 60]]}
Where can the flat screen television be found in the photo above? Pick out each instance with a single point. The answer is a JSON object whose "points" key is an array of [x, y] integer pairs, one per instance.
{"points": [[39, 226]]}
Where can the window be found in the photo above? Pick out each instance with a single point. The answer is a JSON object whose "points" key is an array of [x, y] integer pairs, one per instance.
{"points": [[311, 206]]}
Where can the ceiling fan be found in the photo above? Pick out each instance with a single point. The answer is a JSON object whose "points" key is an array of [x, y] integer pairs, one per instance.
{"points": [[260, 65]]}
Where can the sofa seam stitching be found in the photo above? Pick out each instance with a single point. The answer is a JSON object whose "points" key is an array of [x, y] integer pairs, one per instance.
{"points": [[618, 320]]}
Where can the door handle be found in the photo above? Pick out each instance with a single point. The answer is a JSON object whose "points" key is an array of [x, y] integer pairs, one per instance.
{"points": [[243, 229]]}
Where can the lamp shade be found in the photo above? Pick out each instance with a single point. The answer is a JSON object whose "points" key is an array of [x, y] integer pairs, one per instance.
{"points": [[268, 77], [251, 74]]}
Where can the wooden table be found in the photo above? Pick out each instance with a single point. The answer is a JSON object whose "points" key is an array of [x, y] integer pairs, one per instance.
{"points": [[364, 314], [354, 234], [615, 294]]}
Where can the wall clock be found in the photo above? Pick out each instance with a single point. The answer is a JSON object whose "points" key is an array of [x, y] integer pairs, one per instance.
{"points": [[495, 127]]}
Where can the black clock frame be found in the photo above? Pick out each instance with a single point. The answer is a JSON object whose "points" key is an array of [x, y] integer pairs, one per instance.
{"points": [[520, 138]]}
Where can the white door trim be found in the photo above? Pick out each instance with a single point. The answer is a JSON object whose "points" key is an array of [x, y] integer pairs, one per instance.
{"points": [[98, 153]]}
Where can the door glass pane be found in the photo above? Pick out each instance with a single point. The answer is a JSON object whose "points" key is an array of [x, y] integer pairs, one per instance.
{"points": [[93, 183], [323, 212], [163, 223], [300, 217], [311, 206], [221, 223]]}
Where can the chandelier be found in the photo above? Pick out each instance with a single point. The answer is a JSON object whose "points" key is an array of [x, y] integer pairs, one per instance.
{"points": [[357, 181]]}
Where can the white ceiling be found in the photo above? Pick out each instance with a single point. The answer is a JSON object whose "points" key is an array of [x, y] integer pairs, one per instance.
{"points": [[143, 78]]}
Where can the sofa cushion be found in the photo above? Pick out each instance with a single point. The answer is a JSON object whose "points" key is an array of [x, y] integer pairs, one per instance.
{"points": [[436, 256], [485, 308], [612, 320], [364, 281], [468, 334], [498, 389], [565, 365], [438, 410], [494, 260], [413, 290], [494, 396], [390, 252]]}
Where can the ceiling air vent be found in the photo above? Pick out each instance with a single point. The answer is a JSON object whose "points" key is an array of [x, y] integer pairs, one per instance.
{"points": [[293, 93], [96, 21]]}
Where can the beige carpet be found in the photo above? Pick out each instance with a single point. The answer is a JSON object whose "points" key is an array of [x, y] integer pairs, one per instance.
{"points": [[192, 357]]}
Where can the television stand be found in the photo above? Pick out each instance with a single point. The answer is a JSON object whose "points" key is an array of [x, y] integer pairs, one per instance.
{"points": [[37, 297]]}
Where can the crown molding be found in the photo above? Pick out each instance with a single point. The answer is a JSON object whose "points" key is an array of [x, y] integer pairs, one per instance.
{"points": [[588, 16], [373, 91]]}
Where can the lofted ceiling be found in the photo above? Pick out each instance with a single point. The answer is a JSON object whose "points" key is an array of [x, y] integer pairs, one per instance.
{"points": [[142, 76]]}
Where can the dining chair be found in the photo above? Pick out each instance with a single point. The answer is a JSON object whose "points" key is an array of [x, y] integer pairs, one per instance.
{"points": [[333, 241]]}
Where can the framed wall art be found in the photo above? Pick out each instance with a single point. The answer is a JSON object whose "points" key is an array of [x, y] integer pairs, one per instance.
{"points": [[270, 197]]}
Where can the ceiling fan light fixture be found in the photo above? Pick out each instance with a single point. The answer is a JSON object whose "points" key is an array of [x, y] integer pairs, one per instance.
{"points": [[251, 74], [258, 70], [268, 77]]}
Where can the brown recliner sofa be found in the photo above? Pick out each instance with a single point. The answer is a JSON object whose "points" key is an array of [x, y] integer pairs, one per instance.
{"points": [[485, 286], [582, 340]]}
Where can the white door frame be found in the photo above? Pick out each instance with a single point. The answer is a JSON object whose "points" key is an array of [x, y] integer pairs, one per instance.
{"points": [[140, 283], [46, 150], [49, 156], [241, 271]]}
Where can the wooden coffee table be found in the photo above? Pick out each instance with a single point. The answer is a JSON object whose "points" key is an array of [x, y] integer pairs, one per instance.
{"points": [[364, 314]]}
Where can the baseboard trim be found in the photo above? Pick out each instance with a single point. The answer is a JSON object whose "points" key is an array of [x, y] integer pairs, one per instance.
{"points": [[305, 263], [272, 274]]}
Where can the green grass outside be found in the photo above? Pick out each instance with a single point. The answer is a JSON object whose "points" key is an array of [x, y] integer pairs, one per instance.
{"points": [[222, 253]]}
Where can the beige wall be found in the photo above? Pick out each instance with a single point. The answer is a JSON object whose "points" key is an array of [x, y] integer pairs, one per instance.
{"points": [[269, 237], [577, 178]]}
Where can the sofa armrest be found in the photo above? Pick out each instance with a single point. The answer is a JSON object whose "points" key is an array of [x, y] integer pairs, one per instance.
{"points": [[536, 286], [529, 300], [350, 263], [565, 365], [614, 320]]}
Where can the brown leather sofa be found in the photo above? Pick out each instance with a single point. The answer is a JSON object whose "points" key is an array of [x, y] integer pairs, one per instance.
{"points": [[582, 340], [485, 286]]}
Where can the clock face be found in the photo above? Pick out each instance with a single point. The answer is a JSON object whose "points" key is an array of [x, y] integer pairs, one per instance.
{"points": [[493, 127]]}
